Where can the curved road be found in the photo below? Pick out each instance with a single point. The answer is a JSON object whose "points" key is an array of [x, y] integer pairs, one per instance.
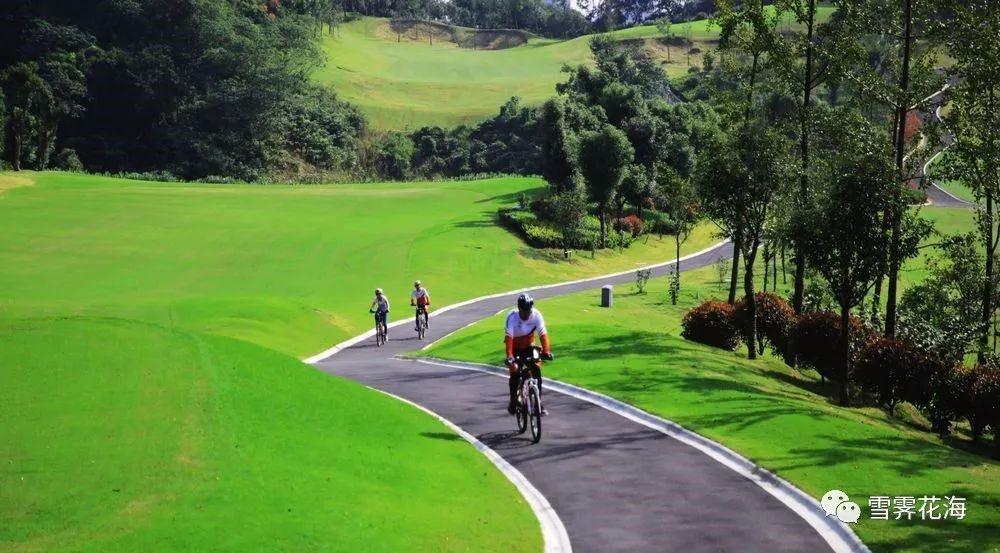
{"points": [[617, 485], [937, 196]]}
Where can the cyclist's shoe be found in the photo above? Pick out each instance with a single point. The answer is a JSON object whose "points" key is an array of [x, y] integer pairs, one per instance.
{"points": [[511, 407], [545, 412], [547, 356]]}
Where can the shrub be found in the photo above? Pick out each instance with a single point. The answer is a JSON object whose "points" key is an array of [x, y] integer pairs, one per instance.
{"points": [[544, 209], [711, 323], [815, 341], [886, 368], [67, 160], [981, 385], [774, 318], [630, 224]]}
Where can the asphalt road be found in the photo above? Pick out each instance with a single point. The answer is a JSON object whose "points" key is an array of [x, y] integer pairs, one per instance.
{"points": [[617, 485]]}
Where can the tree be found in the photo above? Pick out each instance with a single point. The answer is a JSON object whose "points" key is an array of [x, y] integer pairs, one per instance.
{"points": [[811, 57], [974, 157], [747, 36], [570, 209], [604, 158], [663, 25], [739, 180], [559, 163], [846, 241], [681, 203], [900, 80], [26, 92]]}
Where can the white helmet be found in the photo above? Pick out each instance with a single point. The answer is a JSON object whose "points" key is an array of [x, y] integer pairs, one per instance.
{"points": [[378, 291]]}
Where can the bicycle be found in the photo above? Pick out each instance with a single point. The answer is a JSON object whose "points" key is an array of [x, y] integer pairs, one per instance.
{"points": [[381, 330], [528, 404], [421, 322]]}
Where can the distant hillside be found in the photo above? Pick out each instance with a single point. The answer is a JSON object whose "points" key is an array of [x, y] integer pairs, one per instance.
{"points": [[409, 74]]}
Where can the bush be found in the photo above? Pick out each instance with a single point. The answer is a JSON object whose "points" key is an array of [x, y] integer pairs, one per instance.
{"points": [[544, 209], [67, 160], [815, 341], [774, 318], [981, 385], [894, 371], [711, 323], [630, 224]]}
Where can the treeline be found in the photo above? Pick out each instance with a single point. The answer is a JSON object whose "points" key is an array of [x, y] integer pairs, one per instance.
{"points": [[554, 19], [826, 132], [193, 88]]}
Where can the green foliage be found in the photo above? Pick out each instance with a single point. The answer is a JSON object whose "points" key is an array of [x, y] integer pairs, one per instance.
{"points": [[393, 154], [815, 341], [194, 87], [711, 323], [641, 278], [774, 319], [604, 158], [67, 160], [942, 313]]}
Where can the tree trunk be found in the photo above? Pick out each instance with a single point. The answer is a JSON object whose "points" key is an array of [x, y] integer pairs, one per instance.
{"points": [[604, 242], [767, 265], [902, 109], [737, 244], [989, 285], [807, 84], [845, 351], [17, 150], [677, 266], [751, 298]]}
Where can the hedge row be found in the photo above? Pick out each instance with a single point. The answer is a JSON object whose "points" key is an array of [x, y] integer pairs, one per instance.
{"points": [[540, 234], [889, 371]]}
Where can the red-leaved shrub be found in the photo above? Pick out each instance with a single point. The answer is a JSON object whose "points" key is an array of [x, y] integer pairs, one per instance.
{"points": [[894, 371], [631, 224], [711, 323], [815, 341], [774, 318]]}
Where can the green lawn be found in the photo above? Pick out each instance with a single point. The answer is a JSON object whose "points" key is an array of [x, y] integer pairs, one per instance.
{"points": [[765, 410], [125, 436], [409, 84], [150, 391]]}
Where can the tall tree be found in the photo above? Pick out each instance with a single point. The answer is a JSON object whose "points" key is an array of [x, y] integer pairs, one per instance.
{"points": [[846, 241], [901, 79], [747, 37], [809, 58], [972, 39], [739, 180], [605, 155]]}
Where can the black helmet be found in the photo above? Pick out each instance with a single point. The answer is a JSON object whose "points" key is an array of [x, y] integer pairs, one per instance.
{"points": [[525, 302]]}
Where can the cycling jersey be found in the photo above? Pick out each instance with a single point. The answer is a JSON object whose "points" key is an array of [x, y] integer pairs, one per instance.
{"points": [[421, 296], [520, 334], [381, 303]]}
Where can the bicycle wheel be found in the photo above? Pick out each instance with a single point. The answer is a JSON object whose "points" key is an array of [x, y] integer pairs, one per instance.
{"points": [[535, 414], [521, 412], [421, 329]]}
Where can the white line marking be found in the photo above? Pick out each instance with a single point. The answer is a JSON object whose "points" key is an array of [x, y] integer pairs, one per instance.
{"points": [[553, 532], [350, 342], [839, 536]]}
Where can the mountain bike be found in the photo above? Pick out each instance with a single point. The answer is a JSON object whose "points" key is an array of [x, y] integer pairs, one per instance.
{"points": [[421, 322], [381, 330], [528, 404]]}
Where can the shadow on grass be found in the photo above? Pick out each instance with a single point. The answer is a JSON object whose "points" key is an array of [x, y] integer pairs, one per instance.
{"points": [[442, 436], [953, 536]]}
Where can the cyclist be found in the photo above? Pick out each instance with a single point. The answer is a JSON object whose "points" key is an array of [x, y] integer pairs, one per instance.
{"points": [[519, 337], [421, 298], [380, 307]]}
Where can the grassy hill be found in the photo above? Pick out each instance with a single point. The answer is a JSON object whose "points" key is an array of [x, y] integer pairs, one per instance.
{"points": [[149, 386], [402, 80]]}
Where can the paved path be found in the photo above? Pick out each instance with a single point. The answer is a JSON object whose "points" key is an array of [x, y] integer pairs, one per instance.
{"points": [[617, 485], [938, 196]]}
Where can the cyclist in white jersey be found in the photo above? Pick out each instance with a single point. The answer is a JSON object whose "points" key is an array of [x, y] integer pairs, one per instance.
{"points": [[380, 307], [421, 299], [519, 336]]}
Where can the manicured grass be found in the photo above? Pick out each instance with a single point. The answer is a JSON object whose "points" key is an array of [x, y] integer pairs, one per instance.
{"points": [[148, 388], [291, 268], [409, 84], [773, 414], [125, 436]]}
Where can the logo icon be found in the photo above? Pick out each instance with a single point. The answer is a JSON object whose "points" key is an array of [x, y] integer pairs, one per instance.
{"points": [[836, 503]]}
